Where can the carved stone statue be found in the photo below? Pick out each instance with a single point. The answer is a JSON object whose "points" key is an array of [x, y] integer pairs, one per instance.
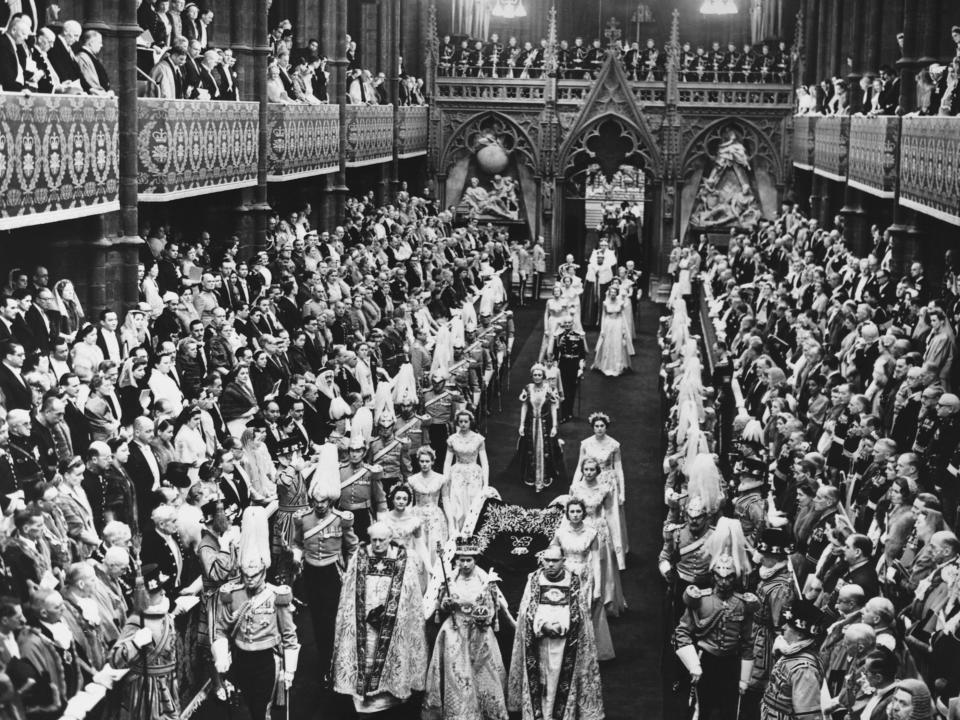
{"points": [[500, 201], [725, 196]]}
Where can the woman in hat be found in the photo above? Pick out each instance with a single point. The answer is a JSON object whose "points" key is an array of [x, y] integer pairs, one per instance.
{"points": [[85, 355], [466, 468], [466, 679]]}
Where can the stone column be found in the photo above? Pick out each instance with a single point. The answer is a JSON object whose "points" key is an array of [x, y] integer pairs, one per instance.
{"points": [[338, 88], [854, 222], [872, 58], [908, 63], [816, 195], [261, 54], [929, 31]]}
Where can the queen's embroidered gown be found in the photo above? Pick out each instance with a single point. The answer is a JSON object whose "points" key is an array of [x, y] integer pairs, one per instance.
{"points": [[466, 679]]}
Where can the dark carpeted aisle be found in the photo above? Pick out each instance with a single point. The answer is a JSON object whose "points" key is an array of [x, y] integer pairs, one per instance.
{"points": [[632, 683]]}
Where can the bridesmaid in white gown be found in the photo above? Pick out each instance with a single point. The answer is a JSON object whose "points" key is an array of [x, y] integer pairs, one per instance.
{"points": [[554, 312], [606, 451], [465, 468], [429, 489], [407, 528], [614, 346], [599, 500], [581, 554], [572, 289]]}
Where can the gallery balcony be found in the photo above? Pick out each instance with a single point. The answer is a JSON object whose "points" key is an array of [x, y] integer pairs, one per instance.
{"points": [[58, 158], [192, 147], [914, 159]]}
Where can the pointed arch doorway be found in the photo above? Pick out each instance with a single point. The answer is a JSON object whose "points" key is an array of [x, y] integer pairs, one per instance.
{"points": [[608, 163]]}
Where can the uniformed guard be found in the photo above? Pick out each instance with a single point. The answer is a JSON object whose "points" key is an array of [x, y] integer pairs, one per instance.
{"points": [[445, 65], [390, 452], [793, 691], [748, 505], [440, 404], [217, 552], [578, 58], [569, 347], [776, 592], [714, 633], [254, 624], [684, 559], [491, 56], [361, 491], [324, 542]]}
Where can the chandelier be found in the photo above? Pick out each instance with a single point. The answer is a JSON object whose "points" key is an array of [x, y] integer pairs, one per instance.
{"points": [[509, 9], [718, 7]]}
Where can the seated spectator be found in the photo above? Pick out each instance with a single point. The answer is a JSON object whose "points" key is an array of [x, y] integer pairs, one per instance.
{"points": [[276, 93], [15, 76], [93, 74]]}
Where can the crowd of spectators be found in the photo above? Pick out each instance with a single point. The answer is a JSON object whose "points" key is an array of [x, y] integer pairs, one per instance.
{"points": [[878, 93], [304, 80], [466, 57], [829, 431], [127, 436]]}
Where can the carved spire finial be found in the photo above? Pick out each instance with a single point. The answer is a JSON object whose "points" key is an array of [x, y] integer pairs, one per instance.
{"points": [[550, 54], [673, 46], [433, 39]]}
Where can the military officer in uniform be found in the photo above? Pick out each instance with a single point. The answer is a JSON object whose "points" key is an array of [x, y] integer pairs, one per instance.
{"points": [[491, 56], [508, 58], [563, 59], [684, 559], [688, 61], [713, 634], [461, 59], [593, 59], [775, 592], [361, 491], [464, 376], [717, 59], [570, 349], [793, 691], [255, 622], [390, 452], [652, 61], [578, 59], [748, 505], [731, 63], [445, 64], [440, 404], [324, 542]]}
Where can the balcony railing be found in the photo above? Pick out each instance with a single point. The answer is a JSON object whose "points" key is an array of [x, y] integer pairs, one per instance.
{"points": [[369, 134], [872, 158], [576, 91], [58, 158], [804, 141], [414, 131], [930, 166], [832, 146], [304, 141], [732, 95], [192, 147], [493, 89]]}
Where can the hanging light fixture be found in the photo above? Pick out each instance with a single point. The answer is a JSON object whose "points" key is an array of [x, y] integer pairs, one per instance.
{"points": [[718, 7], [509, 9]]}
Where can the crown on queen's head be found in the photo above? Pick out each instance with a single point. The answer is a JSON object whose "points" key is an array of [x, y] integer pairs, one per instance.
{"points": [[467, 545]]}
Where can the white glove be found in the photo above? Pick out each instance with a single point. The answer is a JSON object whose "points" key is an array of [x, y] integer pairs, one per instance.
{"points": [[142, 637], [221, 655], [691, 661], [288, 679], [664, 567]]}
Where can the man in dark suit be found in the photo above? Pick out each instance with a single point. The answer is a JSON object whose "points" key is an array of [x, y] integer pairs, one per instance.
{"points": [[160, 546], [16, 394], [209, 62], [236, 494], [44, 320], [143, 468], [14, 76], [191, 70], [73, 413], [61, 55], [225, 75]]}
